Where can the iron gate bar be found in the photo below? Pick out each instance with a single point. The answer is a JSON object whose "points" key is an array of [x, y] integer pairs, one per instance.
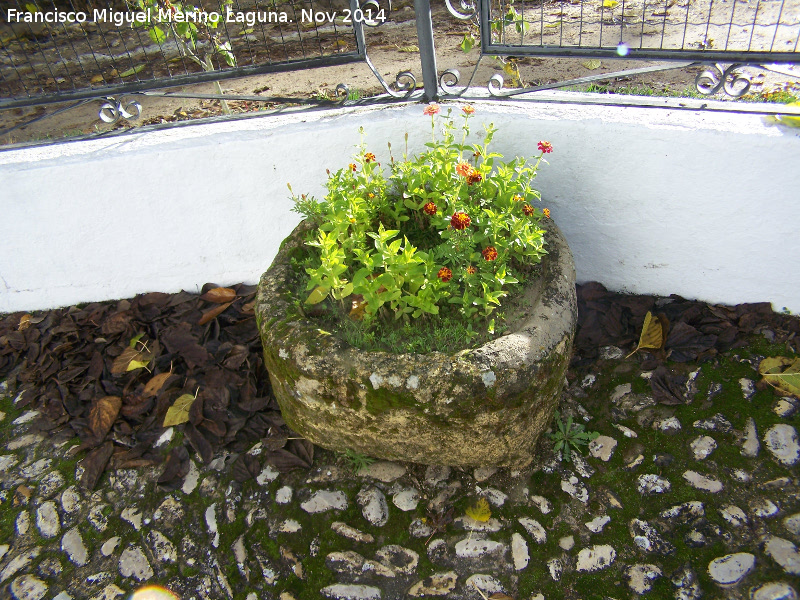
{"points": [[427, 51], [703, 56], [340, 59]]}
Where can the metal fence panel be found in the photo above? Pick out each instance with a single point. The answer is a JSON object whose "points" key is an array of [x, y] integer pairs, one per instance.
{"points": [[699, 30], [105, 55]]}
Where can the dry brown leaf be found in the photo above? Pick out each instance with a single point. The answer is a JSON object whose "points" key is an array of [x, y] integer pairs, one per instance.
{"points": [[213, 313], [129, 360], [155, 384], [94, 464], [24, 323], [219, 295], [653, 334], [358, 307], [500, 596], [103, 414], [481, 511]]}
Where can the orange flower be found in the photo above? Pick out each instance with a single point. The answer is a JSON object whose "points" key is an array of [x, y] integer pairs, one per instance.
{"points": [[371, 195], [471, 270], [431, 109], [352, 166], [546, 212], [468, 110], [464, 169], [429, 208], [545, 147], [474, 177], [527, 210], [460, 221], [445, 274], [489, 253], [518, 198], [369, 157]]}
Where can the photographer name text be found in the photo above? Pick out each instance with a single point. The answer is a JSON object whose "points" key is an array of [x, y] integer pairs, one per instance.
{"points": [[249, 18]]}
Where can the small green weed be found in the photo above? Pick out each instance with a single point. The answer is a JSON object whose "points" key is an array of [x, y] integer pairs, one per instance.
{"points": [[357, 460], [570, 435]]}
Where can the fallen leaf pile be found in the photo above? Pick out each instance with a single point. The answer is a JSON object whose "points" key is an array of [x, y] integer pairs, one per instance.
{"points": [[678, 329], [119, 373]]}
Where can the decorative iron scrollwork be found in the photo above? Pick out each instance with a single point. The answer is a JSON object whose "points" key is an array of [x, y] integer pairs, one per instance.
{"points": [[735, 83], [406, 83], [469, 8], [112, 110], [374, 7], [449, 79], [342, 91]]}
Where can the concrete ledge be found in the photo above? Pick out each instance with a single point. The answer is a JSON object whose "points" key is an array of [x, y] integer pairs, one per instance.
{"points": [[651, 200]]}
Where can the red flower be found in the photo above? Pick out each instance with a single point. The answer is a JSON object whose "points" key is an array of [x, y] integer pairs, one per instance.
{"points": [[474, 177], [463, 169], [468, 110], [369, 157], [445, 274], [429, 209], [527, 210], [489, 253], [471, 270], [352, 167], [460, 221], [431, 109], [545, 147]]}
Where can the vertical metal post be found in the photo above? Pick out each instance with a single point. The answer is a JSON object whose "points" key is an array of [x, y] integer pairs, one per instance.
{"points": [[427, 53]]}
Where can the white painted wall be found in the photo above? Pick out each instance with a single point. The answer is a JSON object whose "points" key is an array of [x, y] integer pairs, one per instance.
{"points": [[651, 200]]}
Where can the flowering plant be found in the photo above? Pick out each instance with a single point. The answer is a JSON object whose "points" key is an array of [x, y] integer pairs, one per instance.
{"points": [[449, 230]]}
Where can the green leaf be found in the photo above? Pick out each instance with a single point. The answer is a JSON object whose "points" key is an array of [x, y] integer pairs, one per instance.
{"points": [[318, 295], [467, 43], [782, 373], [157, 34], [31, 8], [137, 364], [179, 412], [132, 71], [134, 340]]}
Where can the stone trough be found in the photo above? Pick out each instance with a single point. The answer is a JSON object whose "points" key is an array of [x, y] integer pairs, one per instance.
{"points": [[477, 407]]}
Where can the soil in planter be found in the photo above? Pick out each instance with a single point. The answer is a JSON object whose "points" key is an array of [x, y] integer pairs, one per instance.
{"points": [[448, 332]]}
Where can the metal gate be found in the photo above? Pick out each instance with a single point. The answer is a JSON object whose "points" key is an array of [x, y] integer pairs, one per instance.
{"points": [[86, 53], [689, 32]]}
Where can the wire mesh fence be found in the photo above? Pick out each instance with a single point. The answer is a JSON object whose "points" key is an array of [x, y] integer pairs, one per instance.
{"points": [[712, 30], [56, 50]]}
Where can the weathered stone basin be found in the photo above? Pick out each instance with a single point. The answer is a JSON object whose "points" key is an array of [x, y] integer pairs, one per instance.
{"points": [[481, 407]]}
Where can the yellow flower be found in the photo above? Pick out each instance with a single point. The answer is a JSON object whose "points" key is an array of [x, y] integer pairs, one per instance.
{"points": [[546, 212]]}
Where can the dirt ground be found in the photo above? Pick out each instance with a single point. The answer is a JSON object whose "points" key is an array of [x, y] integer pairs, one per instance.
{"points": [[392, 49]]}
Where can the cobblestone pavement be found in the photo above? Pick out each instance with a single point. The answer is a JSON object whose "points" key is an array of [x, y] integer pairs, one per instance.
{"points": [[695, 500]]}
